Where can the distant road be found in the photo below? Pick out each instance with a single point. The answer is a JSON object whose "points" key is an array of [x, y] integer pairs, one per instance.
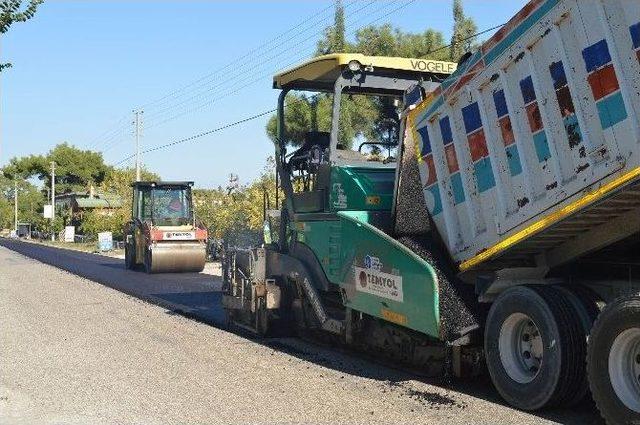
{"points": [[75, 352], [194, 294]]}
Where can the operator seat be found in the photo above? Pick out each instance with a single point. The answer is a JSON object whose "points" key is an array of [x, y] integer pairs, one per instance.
{"points": [[313, 150]]}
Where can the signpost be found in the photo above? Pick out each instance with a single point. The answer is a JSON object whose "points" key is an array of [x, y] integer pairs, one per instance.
{"points": [[48, 211], [105, 241], [69, 233]]}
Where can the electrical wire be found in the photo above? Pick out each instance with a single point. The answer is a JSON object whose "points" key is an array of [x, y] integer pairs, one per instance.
{"points": [[197, 136], [261, 114], [463, 40], [248, 69], [108, 135]]}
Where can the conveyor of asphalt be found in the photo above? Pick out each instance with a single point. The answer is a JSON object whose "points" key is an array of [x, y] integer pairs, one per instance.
{"points": [[196, 295]]}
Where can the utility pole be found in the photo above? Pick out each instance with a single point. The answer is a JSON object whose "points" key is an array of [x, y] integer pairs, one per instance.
{"points": [[138, 124], [15, 206], [53, 200]]}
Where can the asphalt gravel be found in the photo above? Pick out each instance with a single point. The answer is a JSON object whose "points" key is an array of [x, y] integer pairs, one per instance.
{"points": [[76, 352], [457, 301]]}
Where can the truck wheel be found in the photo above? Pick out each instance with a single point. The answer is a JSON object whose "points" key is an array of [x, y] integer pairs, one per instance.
{"points": [[129, 257], [532, 347], [585, 303], [613, 361]]}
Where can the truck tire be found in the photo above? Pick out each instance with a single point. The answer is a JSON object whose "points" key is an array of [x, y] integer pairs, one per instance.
{"points": [[532, 347], [585, 303], [613, 361]]}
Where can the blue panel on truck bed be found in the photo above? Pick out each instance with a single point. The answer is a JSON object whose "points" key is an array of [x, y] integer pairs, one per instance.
{"points": [[540, 118]]}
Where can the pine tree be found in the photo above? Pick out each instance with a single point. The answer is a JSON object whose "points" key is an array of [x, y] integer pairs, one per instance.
{"points": [[338, 29], [464, 28], [334, 38]]}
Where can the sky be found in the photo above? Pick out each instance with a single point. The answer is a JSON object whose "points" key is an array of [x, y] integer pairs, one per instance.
{"points": [[81, 67]]}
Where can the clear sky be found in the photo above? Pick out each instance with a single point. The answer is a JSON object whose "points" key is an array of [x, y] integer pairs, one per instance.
{"points": [[81, 67]]}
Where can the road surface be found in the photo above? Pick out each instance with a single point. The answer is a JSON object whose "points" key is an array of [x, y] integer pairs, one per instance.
{"points": [[77, 352]]}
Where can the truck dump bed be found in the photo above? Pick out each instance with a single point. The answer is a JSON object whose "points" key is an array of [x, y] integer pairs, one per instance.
{"points": [[530, 152]]}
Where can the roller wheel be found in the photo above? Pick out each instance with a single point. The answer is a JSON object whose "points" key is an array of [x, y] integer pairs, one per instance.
{"points": [[613, 361], [129, 257], [532, 347], [147, 261]]}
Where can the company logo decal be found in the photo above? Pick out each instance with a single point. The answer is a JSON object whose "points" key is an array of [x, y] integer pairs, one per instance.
{"points": [[179, 236], [378, 283]]}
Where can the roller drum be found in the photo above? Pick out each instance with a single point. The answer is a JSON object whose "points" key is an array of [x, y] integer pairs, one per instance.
{"points": [[176, 257]]}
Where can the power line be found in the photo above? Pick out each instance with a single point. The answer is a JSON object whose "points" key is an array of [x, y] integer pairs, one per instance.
{"points": [[472, 36], [238, 59], [197, 136], [114, 133], [256, 58], [159, 147], [249, 67], [212, 98], [261, 114]]}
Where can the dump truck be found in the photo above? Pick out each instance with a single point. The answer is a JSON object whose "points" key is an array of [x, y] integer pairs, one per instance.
{"points": [[163, 234], [490, 219]]}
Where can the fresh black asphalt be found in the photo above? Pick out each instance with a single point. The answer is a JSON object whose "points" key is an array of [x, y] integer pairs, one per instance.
{"points": [[196, 295]]}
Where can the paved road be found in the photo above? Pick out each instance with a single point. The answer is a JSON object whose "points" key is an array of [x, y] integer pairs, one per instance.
{"points": [[193, 294], [74, 352]]}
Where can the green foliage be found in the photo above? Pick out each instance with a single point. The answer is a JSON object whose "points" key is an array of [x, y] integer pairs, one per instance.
{"points": [[360, 116], [99, 220], [464, 28], [30, 204], [385, 40], [334, 38], [237, 217], [76, 169], [12, 11], [117, 181]]}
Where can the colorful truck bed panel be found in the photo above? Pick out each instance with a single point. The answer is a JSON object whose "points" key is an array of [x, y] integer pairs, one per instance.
{"points": [[545, 111]]}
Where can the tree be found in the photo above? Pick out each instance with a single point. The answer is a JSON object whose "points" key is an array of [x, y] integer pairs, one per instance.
{"points": [[116, 181], [334, 38], [385, 40], [30, 204], [75, 169], [12, 11], [361, 116], [462, 39], [237, 217]]}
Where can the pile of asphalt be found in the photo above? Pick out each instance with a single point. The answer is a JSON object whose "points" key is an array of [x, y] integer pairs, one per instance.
{"points": [[459, 309], [410, 205]]}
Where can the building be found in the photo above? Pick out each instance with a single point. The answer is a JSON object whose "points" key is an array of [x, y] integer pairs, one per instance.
{"points": [[73, 205]]}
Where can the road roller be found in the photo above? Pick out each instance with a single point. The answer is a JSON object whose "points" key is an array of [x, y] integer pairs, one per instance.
{"points": [[163, 235]]}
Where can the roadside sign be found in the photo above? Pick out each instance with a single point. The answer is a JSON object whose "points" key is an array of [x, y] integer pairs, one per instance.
{"points": [[48, 211], [105, 241], [69, 233]]}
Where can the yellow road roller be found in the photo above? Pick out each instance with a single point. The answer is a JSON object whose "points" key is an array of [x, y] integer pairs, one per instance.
{"points": [[163, 235]]}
